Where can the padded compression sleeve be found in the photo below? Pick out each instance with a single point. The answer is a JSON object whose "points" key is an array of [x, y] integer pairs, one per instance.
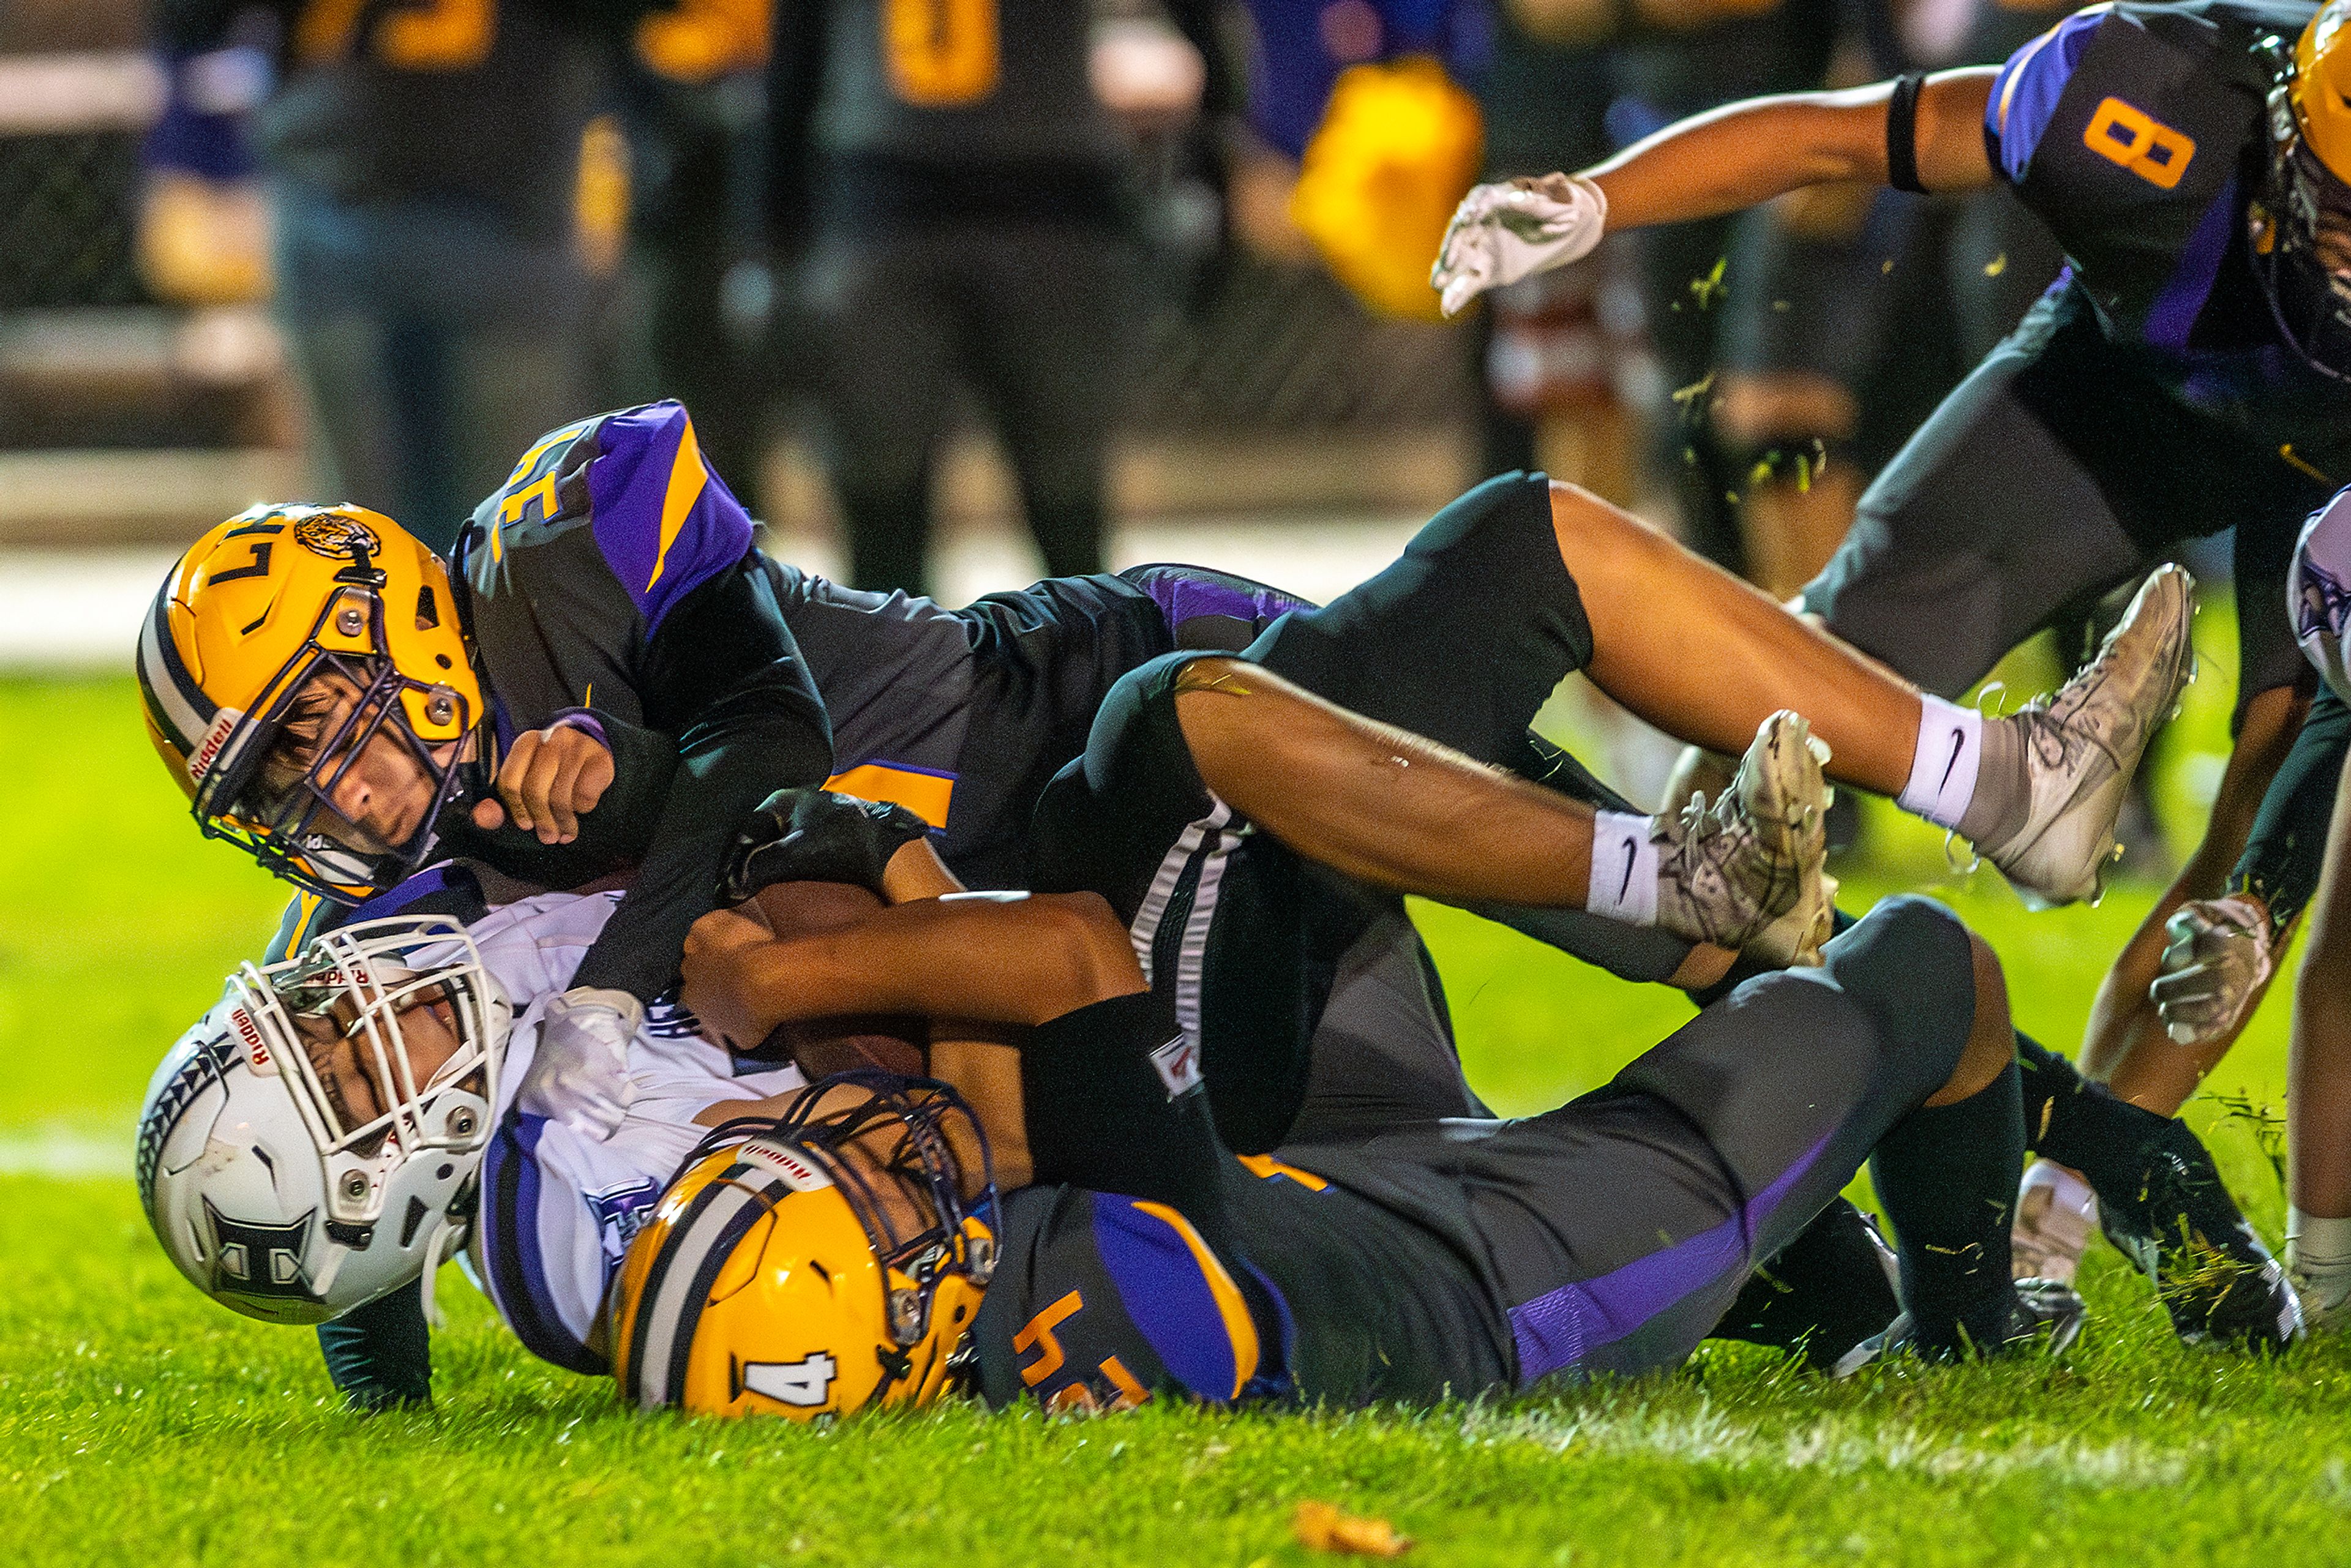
{"points": [[1104, 1110]]}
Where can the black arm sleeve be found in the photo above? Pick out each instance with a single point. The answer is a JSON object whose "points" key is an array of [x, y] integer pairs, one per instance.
{"points": [[724, 675], [381, 1355], [2287, 848], [1100, 1114]]}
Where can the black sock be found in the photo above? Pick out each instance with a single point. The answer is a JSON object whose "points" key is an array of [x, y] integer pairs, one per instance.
{"points": [[1826, 1291], [381, 1355], [1947, 1176], [2160, 1199]]}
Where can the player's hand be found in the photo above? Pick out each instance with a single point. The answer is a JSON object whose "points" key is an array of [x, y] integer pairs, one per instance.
{"points": [[1513, 229], [551, 778], [815, 835], [580, 1073], [2218, 957]]}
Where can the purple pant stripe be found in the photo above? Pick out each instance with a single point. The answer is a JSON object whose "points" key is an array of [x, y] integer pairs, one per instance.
{"points": [[1561, 1327]]}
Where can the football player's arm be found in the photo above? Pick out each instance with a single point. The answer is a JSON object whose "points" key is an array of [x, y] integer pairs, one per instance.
{"points": [[2318, 1071], [1744, 153], [1002, 958]]}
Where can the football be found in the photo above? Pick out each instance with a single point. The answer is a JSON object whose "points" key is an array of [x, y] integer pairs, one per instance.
{"points": [[823, 1046]]}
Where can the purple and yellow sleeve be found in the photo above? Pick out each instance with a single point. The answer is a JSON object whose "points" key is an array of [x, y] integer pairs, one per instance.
{"points": [[665, 523], [2024, 94], [1179, 1294]]}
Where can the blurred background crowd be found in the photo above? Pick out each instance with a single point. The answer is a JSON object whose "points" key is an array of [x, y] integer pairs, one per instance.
{"points": [[958, 291]]}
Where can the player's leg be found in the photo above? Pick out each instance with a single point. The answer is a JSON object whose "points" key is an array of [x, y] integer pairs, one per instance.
{"points": [[1052, 308], [1404, 813], [1721, 1153], [2162, 1202], [888, 374]]}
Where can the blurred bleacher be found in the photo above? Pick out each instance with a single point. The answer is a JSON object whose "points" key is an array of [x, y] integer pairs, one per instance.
{"points": [[127, 422]]}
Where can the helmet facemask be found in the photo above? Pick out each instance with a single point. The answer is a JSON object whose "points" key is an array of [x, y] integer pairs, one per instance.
{"points": [[364, 989], [2300, 240], [951, 1235], [341, 696]]}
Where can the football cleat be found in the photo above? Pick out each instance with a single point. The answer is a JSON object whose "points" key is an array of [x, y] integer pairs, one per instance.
{"points": [[2082, 747], [1746, 873], [2324, 1292], [2210, 1272], [2044, 1312], [2056, 1213]]}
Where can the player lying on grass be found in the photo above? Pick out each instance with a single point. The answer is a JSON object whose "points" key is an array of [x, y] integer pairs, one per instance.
{"points": [[371, 1083], [342, 1121], [336, 702], [835, 1256]]}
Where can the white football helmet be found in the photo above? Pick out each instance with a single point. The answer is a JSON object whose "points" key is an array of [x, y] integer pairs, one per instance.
{"points": [[268, 1192]]}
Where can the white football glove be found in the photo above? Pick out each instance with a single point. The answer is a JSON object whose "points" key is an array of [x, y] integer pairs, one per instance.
{"points": [[1502, 232], [580, 1073], [2216, 960]]}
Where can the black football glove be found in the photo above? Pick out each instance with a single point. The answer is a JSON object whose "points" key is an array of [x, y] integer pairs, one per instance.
{"points": [[815, 835]]}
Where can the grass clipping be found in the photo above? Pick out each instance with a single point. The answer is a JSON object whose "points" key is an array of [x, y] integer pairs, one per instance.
{"points": [[1323, 1528]]}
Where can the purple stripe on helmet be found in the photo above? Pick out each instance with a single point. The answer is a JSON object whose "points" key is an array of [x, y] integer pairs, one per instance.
{"points": [[2174, 312], [1560, 1328], [645, 464], [2028, 86], [1167, 1296]]}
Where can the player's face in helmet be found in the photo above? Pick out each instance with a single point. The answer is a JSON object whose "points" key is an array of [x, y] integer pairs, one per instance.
{"points": [[314, 1143], [305, 675], [817, 1263], [338, 769]]}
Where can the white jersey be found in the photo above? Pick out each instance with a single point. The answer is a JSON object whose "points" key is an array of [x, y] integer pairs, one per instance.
{"points": [[559, 1207]]}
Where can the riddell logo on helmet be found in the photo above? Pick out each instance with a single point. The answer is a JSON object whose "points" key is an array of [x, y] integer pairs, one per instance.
{"points": [[208, 751], [802, 1175], [254, 1050]]}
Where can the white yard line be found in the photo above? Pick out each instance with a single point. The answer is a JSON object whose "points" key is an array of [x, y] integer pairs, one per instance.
{"points": [[61, 1152], [1705, 1436]]}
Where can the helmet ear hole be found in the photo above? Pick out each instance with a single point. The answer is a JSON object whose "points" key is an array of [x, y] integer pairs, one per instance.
{"points": [[907, 1315]]}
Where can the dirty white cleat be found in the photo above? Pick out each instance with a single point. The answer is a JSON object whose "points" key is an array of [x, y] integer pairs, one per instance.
{"points": [[2082, 747], [1747, 872], [2057, 1213]]}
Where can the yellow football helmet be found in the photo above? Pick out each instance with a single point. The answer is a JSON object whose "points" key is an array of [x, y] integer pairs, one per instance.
{"points": [[335, 615], [780, 1275], [2302, 220]]}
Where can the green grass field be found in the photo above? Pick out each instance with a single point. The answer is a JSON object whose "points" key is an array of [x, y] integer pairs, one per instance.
{"points": [[139, 1424]]}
